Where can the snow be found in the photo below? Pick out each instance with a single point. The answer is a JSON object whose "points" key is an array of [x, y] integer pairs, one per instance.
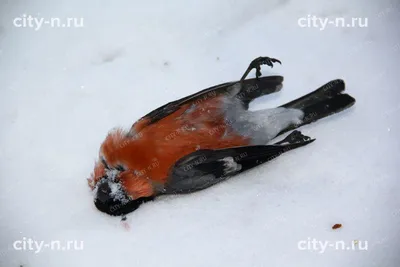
{"points": [[230, 165], [63, 89]]}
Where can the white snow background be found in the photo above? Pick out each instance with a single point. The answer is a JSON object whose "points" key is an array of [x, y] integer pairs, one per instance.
{"points": [[63, 89]]}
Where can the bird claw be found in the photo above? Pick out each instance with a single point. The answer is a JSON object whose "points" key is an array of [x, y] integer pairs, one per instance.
{"points": [[256, 64], [295, 137]]}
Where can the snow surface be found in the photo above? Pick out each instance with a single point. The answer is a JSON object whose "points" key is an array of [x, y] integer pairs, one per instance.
{"points": [[62, 90]]}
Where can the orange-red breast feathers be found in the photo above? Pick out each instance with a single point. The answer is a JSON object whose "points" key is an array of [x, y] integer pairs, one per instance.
{"points": [[150, 150]]}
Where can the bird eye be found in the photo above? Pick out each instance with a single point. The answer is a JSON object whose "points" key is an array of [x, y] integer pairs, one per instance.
{"points": [[120, 168], [103, 161]]}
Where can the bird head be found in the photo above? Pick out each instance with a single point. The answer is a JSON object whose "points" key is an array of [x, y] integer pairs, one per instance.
{"points": [[117, 190], [112, 194]]}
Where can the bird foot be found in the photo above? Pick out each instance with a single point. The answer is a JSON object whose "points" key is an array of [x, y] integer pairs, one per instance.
{"points": [[294, 137], [256, 64]]}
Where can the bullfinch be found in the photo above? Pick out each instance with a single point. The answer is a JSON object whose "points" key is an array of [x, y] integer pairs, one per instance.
{"points": [[202, 139]]}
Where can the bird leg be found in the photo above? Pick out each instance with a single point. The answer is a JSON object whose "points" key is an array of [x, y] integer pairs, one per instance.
{"points": [[294, 137], [256, 64]]}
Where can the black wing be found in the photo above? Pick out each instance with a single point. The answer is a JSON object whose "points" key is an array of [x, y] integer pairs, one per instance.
{"points": [[207, 167], [251, 89]]}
